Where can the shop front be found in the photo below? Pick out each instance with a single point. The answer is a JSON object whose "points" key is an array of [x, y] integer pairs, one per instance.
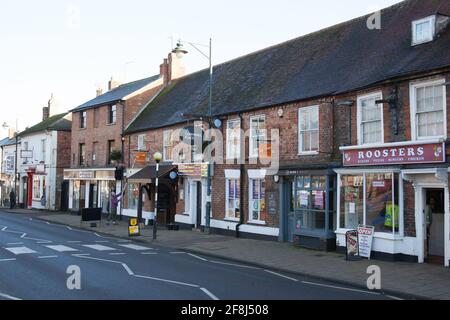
{"points": [[309, 208], [91, 188], [401, 189], [193, 191]]}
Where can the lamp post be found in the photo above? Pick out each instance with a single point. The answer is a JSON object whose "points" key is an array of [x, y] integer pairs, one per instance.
{"points": [[180, 51], [157, 157]]}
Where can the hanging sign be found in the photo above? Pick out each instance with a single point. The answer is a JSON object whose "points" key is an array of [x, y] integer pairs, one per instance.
{"points": [[365, 240]]}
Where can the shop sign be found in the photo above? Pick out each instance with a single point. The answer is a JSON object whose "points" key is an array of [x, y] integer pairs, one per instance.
{"points": [[351, 244], [140, 157], [272, 203], [193, 170], [365, 240], [86, 174], [411, 154]]}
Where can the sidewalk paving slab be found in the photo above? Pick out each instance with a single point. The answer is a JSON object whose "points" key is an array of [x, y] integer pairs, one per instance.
{"points": [[404, 279]]}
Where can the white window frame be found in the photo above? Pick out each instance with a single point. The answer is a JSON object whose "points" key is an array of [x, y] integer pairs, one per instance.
{"points": [[413, 105], [231, 175], [254, 175], [432, 21], [187, 196], [141, 142], [301, 150], [112, 114], [169, 134], [237, 153], [379, 95], [251, 153]]}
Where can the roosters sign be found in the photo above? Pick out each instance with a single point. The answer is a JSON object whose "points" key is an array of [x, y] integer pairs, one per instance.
{"points": [[412, 154]]}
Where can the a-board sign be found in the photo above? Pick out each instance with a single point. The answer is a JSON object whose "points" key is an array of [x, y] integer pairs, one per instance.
{"points": [[133, 228], [351, 245], [365, 240]]}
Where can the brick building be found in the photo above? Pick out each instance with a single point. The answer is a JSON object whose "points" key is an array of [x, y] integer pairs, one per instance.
{"points": [[362, 120], [97, 146]]}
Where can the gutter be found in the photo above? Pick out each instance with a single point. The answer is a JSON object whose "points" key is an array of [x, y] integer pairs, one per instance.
{"points": [[241, 184]]}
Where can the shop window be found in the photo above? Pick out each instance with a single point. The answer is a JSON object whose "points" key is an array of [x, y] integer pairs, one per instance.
{"points": [[133, 196], [370, 119], [76, 195], [308, 129], [310, 202], [257, 200], [429, 109], [370, 199], [233, 198], [36, 188], [187, 196]]}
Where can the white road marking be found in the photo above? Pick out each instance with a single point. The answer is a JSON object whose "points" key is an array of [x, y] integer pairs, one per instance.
{"points": [[129, 271], [117, 253], [148, 253], [7, 296], [102, 241], [74, 241], [197, 257], [177, 252], [234, 265], [339, 288], [209, 294], [47, 257], [61, 248], [394, 298], [135, 247], [99, 247], [20, 250], [169, 281], [281, 275], [4, 260], [69, 228], [81, 254], [14, 243]]}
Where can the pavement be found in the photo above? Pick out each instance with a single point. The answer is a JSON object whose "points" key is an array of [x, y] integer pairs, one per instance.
{"points": [[401, 279]]}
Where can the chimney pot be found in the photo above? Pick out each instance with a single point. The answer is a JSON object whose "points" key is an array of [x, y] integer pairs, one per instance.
{"points": [[112, 84]]}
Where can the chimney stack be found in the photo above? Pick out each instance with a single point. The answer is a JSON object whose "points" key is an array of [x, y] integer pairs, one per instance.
{"points": [[171, 69], [11, 133], [99, 92], [112, 84], [45, 113]]}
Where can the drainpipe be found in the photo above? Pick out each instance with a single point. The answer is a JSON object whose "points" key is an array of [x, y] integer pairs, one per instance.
{"points": [[241, 182]]}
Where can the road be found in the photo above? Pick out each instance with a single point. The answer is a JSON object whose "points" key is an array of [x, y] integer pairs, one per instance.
{"points": [[35, 256]]}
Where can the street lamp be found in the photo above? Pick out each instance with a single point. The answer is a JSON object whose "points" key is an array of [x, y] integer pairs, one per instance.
{"points": [[157, 157], [180, 52], [16, 136]]}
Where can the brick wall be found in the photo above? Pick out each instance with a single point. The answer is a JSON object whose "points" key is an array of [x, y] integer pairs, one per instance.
{"points": [[409, 209]]}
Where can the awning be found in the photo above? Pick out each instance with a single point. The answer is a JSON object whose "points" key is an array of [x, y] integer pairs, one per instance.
{"points": [[148, 173]]}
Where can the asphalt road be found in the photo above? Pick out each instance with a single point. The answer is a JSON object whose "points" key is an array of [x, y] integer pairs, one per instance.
{"points": [[35, 256]]}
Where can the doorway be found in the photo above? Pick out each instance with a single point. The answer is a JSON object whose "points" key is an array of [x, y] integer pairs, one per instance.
{"points": [[64, 206], [93, 195], [198, 205], [434, 220]]}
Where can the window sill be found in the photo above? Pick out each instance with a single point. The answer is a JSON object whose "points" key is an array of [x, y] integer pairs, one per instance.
{"points": [[231, 219], [111, 124], [257, 222], [308, 153], [378, 235]]}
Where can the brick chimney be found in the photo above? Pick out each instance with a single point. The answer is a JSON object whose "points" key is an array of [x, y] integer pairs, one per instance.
{"points": [[45, 113], [11, 133], [112, 84], [171, 69]]}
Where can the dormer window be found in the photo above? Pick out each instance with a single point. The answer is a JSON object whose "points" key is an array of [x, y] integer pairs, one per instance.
{"points": [[423, 30]]}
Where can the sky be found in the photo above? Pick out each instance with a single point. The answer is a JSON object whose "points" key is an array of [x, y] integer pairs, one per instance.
{"points": [[71, 48]]}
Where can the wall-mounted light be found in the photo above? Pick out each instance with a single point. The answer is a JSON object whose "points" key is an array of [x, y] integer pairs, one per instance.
{"points": [[280, 113], [276, 178]]}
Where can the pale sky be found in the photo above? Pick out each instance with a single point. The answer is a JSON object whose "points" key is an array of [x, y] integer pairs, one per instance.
{"points": [[70, 48]]}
